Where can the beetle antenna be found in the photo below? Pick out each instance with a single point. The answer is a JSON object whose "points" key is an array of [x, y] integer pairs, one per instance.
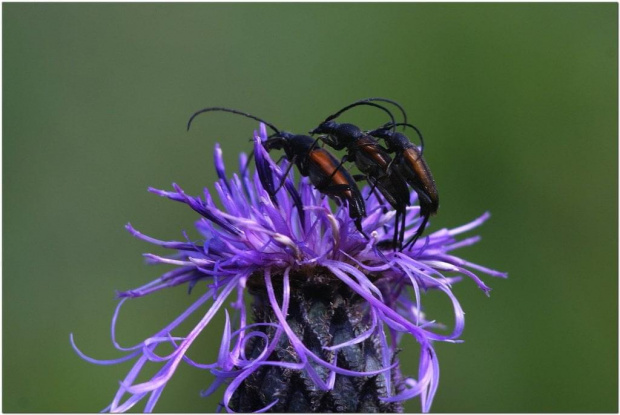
{"points": [[189, 123], [356, 104], [402, 110]]}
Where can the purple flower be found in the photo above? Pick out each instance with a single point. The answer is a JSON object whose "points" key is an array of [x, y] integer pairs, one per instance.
{"points": [[330, 307]]}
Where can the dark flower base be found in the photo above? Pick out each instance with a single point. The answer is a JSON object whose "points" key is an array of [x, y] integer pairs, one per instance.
{"points": [[322, 312]]}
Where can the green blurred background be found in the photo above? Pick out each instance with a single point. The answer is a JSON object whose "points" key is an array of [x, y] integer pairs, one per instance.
{"points": [[518, 104]]}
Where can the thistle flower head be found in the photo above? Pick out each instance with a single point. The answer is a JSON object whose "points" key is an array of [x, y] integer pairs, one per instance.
{"points": [[276, 246]]}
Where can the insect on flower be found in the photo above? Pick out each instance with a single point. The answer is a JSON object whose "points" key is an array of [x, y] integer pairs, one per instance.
{"points": [[330, 310], [409, 164], [325, 172], [371, 159]]}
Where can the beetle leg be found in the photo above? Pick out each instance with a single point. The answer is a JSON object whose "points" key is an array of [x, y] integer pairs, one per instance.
{"points": [[395, 241], [401, 238], [280, 159], [396, 160], [418, 233], [373, 188], [288, 169], [356, 203], [328, 179], [311, 149]]}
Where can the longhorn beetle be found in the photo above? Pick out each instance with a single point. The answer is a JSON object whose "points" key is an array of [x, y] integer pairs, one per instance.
{"points": [[325, 172], [409, 163]]}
